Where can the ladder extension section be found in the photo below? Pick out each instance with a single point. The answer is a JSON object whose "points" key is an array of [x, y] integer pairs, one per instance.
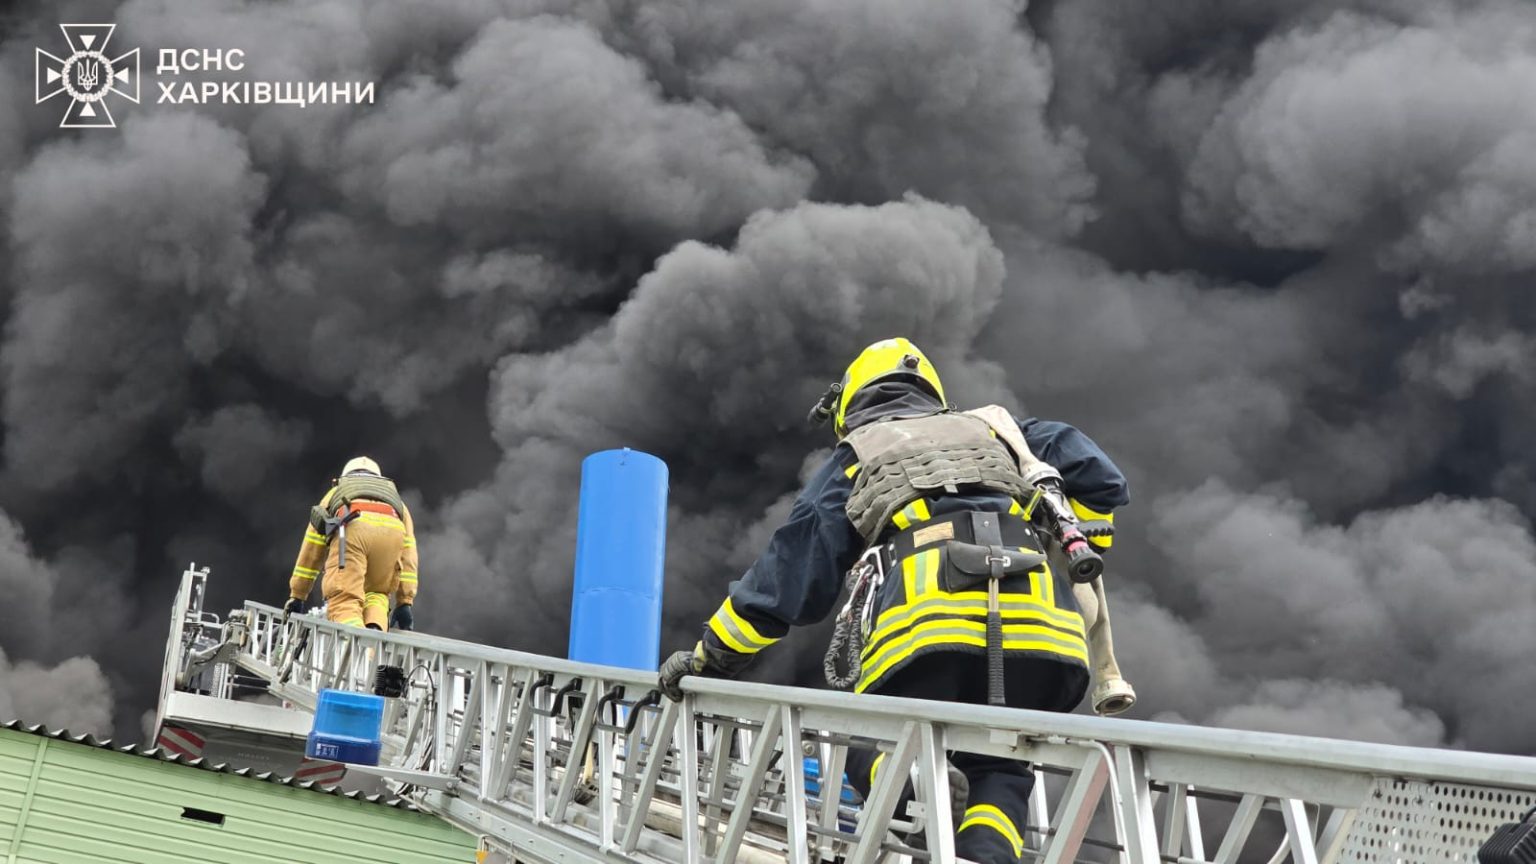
{"points": [[549, 760]]}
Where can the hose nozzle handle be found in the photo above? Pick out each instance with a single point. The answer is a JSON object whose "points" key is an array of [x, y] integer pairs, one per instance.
{"points": [[821, 412]]}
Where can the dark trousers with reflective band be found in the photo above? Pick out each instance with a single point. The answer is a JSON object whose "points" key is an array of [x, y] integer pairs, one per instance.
{"points": [[992, 828]]}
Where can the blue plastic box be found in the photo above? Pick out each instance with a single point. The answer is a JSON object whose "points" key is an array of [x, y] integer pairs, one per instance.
{"points": [[813, 781], [346, 728]]}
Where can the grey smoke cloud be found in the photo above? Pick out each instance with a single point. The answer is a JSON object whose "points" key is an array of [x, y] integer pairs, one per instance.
{"points": [[127, 255], [1465, 357], [73, 695], [1359, 123], [1269, 253], [544, 129], [1302, 707], [29, 585], [237, 444], [885, 98], [1417, 598]]}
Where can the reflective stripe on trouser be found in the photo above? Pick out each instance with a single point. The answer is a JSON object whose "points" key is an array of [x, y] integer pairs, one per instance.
{"points": [[359, 593], [996, 803], [991, 830]]}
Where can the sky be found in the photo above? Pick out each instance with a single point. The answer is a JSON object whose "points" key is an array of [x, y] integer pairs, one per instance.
{"points": [[1267, 253]]}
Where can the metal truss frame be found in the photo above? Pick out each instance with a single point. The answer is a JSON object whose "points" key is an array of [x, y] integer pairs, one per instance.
{"points": [[554, 761]]}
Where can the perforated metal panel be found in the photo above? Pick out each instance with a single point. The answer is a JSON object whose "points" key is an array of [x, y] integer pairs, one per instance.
{"points": [[1408, 822]]}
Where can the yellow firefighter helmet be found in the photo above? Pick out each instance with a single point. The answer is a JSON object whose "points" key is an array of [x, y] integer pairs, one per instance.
{"points": [[888, 358]]}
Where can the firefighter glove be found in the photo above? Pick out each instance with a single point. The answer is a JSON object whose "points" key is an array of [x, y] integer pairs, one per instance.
{"points": [[402, 619], [679, 664], [294, 606]]}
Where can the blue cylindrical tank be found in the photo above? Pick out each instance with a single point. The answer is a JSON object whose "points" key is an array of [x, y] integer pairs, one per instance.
{"points": [[621, 535]]}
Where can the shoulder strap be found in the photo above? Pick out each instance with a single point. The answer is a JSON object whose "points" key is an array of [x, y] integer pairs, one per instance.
{"points": [[1001, 421]]}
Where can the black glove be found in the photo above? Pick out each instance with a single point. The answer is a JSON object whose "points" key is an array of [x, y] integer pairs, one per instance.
{"points": [[402, 619], [669, 679], [294, 606]]}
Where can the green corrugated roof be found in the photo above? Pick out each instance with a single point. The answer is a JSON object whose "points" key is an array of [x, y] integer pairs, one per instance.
{"points": [[165, 755], [70, 801]]}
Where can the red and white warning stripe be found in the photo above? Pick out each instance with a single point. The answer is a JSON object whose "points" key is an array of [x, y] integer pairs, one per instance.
{"points": [[320, 772], [183, 742]]}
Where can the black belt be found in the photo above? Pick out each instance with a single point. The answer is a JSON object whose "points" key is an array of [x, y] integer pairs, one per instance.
{"points": [[934, 533]]}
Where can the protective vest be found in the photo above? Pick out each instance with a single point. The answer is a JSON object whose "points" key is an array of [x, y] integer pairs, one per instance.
{"points": [[355, 487], [901, 461]]}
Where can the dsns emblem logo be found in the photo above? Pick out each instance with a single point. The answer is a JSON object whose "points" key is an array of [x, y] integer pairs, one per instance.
{"points": [[87, 76]]}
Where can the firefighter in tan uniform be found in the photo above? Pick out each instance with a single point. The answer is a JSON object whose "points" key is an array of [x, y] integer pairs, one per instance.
{"points": [[362, 538]]}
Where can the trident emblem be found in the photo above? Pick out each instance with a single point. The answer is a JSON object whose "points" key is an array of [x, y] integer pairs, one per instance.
{"points": [[90, 73]]}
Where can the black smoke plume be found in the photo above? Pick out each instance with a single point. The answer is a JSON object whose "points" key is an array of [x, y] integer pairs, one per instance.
{"points": [[1269, 254]]}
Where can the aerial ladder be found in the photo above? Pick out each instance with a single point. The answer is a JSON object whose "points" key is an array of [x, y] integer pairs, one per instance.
{"points": [[547, 760]]}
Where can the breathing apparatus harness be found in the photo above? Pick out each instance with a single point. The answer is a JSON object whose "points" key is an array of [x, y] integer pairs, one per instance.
{"points": [[340, 509]]}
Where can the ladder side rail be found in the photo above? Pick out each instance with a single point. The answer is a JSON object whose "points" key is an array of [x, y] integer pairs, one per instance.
{"points": [[175, 643], [480, 736], [1516, 772]]}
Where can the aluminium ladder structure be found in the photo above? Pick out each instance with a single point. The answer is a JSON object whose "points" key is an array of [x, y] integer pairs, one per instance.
{"points": [[548, 760]]}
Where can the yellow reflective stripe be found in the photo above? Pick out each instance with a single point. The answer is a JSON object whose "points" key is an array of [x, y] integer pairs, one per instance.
{"points": [[1088, 514], [927, 574], [920, 574], [410, 542], [963, 628], [975, 610], [747, 629], [956, 631], [381, 520], [352, 622], [299, 575], [875, 766], [736, 632], [376, 600], [917, 511], [407, 576], [897, 616], [719, 629], [988, 816], [311, 537], [305, 571], [851, 470]]}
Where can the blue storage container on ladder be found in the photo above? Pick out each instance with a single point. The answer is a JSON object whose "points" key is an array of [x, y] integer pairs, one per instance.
{"points": [[347, 727]]}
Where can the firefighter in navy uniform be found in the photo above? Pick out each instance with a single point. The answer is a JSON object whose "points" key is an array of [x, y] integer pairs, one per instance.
{"points": [[930, 485]]}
